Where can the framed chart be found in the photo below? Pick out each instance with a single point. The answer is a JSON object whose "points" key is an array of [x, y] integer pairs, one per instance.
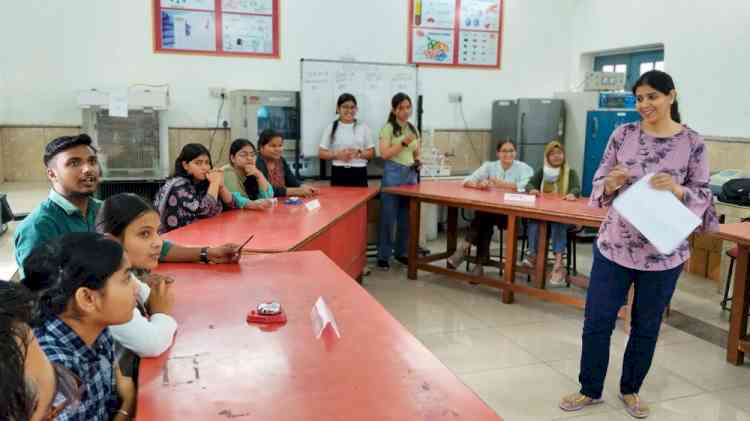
{"points": [[217, 27], [455, 33]]}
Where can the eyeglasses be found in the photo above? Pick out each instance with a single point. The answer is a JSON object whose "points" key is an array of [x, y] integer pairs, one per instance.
{"points": [[348, 107], [245, 155], [68, 392]]}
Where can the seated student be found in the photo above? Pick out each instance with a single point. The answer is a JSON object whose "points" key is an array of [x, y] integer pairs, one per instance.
{"points": [[73, 171], [83, 286], [558, 178], [506, 173], [244, 180], [134, 223], [275, 168], [194, 191], [31, 388], [349, 144]]}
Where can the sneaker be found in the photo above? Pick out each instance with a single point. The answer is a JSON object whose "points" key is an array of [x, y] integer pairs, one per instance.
{"points": [[635, 407], [384, 265], [576, 402], [403, 260], [558, 277]]}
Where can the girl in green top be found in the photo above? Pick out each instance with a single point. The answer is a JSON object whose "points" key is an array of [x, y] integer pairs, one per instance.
{"points": [[399, 147], [248, 185]]}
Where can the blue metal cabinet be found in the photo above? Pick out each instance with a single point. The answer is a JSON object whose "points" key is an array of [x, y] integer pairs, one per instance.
{"points": [[599, 127]]}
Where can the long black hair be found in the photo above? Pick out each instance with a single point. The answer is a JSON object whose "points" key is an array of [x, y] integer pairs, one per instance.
{"points": [[343, 98], [57, 268], [119, 211], [237, 146], [662, 82], [16, 305], [188, 153], [395, 101]]}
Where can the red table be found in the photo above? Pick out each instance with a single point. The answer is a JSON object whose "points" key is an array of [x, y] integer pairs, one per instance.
{"points": [[738, 342], [222, 368], [548, 207], [338, 228]]}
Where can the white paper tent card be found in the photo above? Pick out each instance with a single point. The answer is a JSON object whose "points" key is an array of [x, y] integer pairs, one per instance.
{"points": [[657, 214], [322, 316]]}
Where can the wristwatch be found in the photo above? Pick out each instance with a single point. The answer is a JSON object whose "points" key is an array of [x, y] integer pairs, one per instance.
{"points": [[204, 255]]}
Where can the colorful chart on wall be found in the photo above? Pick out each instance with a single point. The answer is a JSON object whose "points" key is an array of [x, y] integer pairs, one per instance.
{"points": [[217, 27], [455, 33]]}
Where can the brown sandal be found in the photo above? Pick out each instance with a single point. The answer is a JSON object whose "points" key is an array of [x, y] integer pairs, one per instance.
{"points": [[576, 402], [635, 407]]}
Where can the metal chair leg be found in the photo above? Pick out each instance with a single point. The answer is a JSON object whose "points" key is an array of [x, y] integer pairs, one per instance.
{"points": [[727, 284]]}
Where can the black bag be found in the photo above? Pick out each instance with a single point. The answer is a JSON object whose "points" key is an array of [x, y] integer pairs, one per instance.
{"points": [[736, 192]]}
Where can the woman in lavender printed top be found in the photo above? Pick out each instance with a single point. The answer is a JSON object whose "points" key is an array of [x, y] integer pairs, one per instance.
{"points": [[676, 155], [195, 191]]}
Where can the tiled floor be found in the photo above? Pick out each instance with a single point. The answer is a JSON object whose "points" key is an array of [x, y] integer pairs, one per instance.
{"points": [[521, 358]]}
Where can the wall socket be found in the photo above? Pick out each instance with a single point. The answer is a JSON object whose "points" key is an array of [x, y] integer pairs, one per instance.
{"points": [[454, 97], [217, 91]]}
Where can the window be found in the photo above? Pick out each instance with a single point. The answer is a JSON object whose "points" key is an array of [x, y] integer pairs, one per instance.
{"points": [[632, 64]]}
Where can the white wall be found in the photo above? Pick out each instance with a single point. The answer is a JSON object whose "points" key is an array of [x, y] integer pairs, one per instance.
{"points": [[106, 44], [706, 48]]}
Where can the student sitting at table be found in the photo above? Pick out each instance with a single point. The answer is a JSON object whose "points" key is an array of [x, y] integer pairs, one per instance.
{"points": [[348, 143], [30, 386], [135, 223], [248, 185], [275, 168], [505, 173], [74, 173], [194, 191], [558, 178], [83, 286]]}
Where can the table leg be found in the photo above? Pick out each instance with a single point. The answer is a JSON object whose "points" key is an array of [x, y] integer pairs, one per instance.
{"points": [[509, 271], [452, 229], [540, 266], [414, 207], [738, 320]]}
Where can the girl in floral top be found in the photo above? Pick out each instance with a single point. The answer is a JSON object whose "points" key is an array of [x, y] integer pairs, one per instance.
{"points": [[623, 257], [193, 192]]}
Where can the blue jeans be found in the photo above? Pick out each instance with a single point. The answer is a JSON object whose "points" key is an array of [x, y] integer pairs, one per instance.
{"points": [[394, 210], [558, 236], [608, 290]]}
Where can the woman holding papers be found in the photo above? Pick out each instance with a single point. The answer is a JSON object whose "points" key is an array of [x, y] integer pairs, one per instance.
{"points": [[505, 173], [623, 257]]}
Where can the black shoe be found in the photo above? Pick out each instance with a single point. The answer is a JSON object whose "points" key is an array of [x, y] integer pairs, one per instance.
{"points": [[403, 260], [383, 265]]}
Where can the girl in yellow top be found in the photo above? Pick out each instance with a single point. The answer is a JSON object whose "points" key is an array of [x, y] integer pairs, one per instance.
{"points": [[399, 147]]}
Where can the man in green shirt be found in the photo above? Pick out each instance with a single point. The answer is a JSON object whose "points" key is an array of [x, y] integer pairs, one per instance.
{"points": [[73, 171]]}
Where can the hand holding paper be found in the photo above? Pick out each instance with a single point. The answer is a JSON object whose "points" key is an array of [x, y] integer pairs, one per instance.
{"points": [[657, 214]]}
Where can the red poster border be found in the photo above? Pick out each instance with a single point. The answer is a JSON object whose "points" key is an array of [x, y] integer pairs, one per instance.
{"points": [[456, 38], [218, 13]]}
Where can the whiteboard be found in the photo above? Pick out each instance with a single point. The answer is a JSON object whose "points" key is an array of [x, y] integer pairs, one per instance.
{"points": [[373, 84]]}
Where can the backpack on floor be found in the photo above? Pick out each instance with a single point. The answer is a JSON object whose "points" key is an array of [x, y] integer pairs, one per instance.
{"points": [[736, 192]]}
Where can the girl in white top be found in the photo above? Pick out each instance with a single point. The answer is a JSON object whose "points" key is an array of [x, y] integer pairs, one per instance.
{"points": [[349, 144], [134, 223]]}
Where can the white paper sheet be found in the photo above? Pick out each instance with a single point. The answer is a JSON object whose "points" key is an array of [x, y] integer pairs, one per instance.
{"points": [[322, 316], [658, 215], [118, 103]]}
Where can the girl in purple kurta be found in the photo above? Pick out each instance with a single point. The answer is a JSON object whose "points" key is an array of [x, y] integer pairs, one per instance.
{"points": [[676, 155]]}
